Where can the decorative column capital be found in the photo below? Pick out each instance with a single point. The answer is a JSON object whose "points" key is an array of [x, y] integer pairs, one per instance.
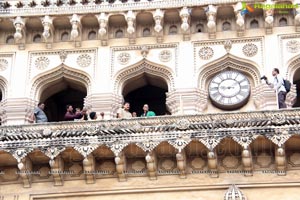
{"points": [[185, 17], [158, 16], [211, 12], [102, 20]]}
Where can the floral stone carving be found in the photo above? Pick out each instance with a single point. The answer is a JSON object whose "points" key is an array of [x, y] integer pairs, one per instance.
{"points": [[42, 63], [84, 60], [250, 49], [206, 53]]}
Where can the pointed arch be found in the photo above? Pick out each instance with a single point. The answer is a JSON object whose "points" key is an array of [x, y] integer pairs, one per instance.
{"points": [[292, 67], [144, 66], [3, 87], [45, 80], [228, 61]]}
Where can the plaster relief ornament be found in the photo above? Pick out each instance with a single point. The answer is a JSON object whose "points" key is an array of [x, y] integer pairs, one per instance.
{"points": [[3, 64], [42, 63], [84, 60], [165, 56], [144, 51], [293, 46], [250, 49], [206, 53], [227, 45], [63, 55], [124, 58]]}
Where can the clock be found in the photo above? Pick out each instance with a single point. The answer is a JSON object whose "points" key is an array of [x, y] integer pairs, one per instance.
{"points": [[229, 90]]}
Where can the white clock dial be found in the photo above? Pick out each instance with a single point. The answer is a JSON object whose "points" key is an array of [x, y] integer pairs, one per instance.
{"points": [[229, 89]]}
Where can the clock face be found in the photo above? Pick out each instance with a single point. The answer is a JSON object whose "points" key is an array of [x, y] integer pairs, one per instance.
{"points": [[229, 89]]}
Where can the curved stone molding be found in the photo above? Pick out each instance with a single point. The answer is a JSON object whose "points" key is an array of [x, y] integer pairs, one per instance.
{"points": [[293, 66], [124, 58], [250, 49], [3, 87], [141, 67], [165, 56], [293, 46], [84, 60], [228, 61], [41, 63], [3, 64], [206, 53], [58, 73]]}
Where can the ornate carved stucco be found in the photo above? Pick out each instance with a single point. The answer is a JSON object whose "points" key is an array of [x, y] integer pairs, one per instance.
{"points": [[40, 82], [292, 66], [141, 67], [231, 62]]}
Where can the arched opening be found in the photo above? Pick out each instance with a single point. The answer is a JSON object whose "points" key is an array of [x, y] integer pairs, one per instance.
{"points": [[226, 26], [296, 80], [61, 93], [283, 21], [64, 36], [37, 38], [173, 30], [92, 35], [254, 24], [119, 34], [199, 28], [10, 39], [146, 89], [146, 32]]}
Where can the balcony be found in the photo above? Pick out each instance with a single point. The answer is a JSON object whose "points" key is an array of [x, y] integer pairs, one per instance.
{"points": [[244, 142]]}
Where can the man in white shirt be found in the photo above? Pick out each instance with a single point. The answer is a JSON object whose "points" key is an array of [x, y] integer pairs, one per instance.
{"points": [[278, 85]]}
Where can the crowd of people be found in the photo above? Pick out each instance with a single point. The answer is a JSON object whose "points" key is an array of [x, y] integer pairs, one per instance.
{"points": [[39, 116]]}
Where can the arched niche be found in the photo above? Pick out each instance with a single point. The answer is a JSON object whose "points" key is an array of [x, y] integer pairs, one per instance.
{"points": [[228, 61]]}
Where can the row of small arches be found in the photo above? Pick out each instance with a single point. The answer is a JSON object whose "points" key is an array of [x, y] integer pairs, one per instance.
{"points": [[226, 26]]}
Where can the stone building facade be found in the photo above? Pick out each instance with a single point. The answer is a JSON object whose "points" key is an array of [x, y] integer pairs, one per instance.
{"points": [[200, 61]]}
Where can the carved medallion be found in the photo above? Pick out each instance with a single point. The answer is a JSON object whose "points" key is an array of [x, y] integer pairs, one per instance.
{"points": [[230, 162], [84, 60], [42, 63], [197, 163], [124, 58], [250, 49], [3, 64], [165, 56], [206, 53], [293, 46], [227, 45]]}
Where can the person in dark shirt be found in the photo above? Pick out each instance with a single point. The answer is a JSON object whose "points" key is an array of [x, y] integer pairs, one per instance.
{"points": [[70, 115]]}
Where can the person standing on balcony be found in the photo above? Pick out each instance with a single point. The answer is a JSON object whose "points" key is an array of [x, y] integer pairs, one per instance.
{"points": [[278, 86], [38, 115], [124, 112], [147, 113], [70, 115], [93, 115]]}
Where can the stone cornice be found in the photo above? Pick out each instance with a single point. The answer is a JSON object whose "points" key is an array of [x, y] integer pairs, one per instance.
{"points": [[116, 7]]}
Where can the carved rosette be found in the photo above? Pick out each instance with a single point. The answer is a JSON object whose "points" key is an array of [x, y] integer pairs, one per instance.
{"points": [[278, 118], [42, 62], [124, 58], [250, 49], [165, 56], [206, 53], [245, 139], [293, 46], [182, 124], [117, 147], [53, 152], [84, 60], [210, 141], [280, 137], [3, 64]]}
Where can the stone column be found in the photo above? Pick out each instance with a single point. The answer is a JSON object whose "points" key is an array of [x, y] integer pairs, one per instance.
{"points": [[48, 33], [130, 18], [291, 97], [19, 24], [187, 101], [264, 97], [240, 19], [158, 16], [211, 13], [103, 20], [185, 26], [76, 30], [269, 19]]}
